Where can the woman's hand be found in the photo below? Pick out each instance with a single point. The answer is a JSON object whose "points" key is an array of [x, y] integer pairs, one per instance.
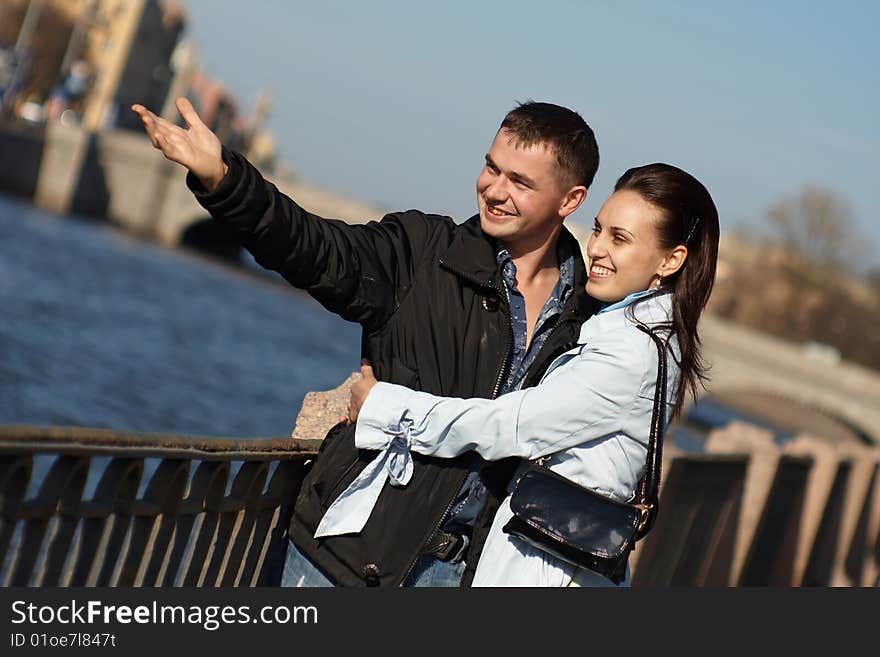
{"points": [[360, 390], [196, 147]]}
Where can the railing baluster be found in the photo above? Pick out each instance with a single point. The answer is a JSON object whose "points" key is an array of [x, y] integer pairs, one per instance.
{"points": [[151, 533], [62, 525], [276, 507], [197, 559], [191, 507], [64, 480], [246, 489], [15, 472], [105, 521]]}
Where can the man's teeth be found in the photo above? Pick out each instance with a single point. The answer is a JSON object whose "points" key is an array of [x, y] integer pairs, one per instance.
{"points": [[496, 212], [599, 270]]}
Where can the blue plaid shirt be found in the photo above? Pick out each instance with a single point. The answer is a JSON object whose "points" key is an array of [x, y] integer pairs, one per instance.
{"points": [[472, 494]]}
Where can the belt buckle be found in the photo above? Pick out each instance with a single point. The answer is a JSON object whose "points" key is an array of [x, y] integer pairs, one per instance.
{"points": [[445, 546]]}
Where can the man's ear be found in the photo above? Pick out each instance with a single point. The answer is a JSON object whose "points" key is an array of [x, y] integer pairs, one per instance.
{"points": [[673, 261], [572, 200]]}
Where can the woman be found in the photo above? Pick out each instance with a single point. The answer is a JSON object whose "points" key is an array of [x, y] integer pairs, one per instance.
{"points": [[652, 260]]}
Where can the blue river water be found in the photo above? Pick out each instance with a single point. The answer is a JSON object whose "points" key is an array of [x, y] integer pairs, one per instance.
{"points": [[100, 329]]}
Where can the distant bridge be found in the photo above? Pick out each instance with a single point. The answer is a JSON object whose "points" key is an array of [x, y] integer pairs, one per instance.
{"points": [[744, 360]]}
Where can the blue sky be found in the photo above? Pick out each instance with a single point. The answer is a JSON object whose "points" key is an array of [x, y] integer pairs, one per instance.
{"points": [[396, 102]]}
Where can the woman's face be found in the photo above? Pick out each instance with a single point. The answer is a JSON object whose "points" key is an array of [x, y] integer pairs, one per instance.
{"points": [[623, 251]]}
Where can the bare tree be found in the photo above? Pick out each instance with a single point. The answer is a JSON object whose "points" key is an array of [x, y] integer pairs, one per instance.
{"points": [[816, 225]]}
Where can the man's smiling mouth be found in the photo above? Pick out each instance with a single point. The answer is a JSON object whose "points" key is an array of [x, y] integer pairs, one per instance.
{"points": [[497, 212]]}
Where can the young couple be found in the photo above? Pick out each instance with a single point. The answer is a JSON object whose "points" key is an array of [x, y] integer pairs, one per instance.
{"points": [[494, 341]]}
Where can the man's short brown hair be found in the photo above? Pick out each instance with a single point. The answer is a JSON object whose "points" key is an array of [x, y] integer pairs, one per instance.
{"points": [[561, 129]]}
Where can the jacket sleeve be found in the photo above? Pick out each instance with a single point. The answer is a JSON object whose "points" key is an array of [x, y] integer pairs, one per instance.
{"points": [[357, 271], [587, 398]]}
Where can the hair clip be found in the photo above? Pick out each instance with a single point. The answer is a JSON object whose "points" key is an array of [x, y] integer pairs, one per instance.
{"points": [[691, 231]]}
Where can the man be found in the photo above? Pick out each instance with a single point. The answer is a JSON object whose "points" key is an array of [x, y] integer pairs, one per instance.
{"points": [[463, 310]]}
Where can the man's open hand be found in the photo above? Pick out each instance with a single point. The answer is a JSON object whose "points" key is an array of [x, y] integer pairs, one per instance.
{"points": [[195, 147]]}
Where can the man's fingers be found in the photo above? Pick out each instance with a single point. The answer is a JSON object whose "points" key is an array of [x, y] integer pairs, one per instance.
{"points": [[140, 110], [145, 115], [152, 123], [367, 372], [164, 135], [158, 137], [155, 134], [188, 112]]}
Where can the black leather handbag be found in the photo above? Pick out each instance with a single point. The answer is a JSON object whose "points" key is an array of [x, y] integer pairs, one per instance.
{"points": [[581, 526]]}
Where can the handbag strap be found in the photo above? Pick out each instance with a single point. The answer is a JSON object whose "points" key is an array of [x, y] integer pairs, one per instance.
{"points": [[650, 486]]}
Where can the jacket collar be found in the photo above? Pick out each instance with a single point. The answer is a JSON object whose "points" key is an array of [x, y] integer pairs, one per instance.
{"points": [[472, 254]]}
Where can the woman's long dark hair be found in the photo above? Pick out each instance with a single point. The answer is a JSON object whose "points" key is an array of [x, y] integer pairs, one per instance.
{"points": [[687, 216]]}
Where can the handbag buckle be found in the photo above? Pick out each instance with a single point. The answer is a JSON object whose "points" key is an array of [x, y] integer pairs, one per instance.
{"points": [[643, 518]]}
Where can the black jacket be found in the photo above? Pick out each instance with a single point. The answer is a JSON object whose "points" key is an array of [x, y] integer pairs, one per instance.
{"points": [[435, 318]]}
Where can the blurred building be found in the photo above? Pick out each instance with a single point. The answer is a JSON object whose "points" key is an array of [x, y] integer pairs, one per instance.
{"points": [[78, 66], [110, 54], [94, 57], [128, 44], [34, 36]]}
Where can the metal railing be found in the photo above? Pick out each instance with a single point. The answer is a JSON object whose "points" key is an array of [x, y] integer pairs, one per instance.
{"points": [[91, 507]]}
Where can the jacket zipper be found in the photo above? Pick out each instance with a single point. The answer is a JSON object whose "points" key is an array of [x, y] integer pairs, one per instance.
{"points": [[504, 364]]}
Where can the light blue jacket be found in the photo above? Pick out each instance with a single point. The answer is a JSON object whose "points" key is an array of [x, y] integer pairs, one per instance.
{"points": [[590, 415]]}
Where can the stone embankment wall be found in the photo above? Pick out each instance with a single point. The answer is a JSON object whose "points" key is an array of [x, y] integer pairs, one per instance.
{"points": [[120, 176]]}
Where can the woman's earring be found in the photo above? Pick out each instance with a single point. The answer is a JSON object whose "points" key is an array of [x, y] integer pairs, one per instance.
{"points": [[659, 280]]}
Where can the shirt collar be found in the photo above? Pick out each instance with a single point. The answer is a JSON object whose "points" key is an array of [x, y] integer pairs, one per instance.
{"points": [[564, 256]]}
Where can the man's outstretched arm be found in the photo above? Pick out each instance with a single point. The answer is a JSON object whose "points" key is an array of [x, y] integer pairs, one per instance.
{"points": [[356, 271]]}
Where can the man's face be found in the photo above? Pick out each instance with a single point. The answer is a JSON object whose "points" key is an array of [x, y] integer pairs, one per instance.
{"points": [[520, 194]]}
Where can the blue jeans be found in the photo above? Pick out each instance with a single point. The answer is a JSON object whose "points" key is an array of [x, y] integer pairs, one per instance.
{"points": [[300, 572], [432, 572], [429, 572]]}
